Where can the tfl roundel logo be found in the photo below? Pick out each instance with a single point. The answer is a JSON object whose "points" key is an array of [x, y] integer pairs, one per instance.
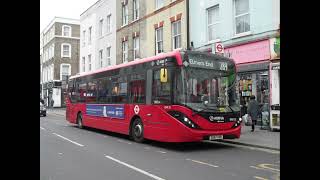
{"points": [[136, 109]]}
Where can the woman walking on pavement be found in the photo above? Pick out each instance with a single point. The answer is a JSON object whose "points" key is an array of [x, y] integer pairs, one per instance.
{"points": [[253, 110]]}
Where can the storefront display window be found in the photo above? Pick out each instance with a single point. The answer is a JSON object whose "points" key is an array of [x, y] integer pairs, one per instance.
{"points": [[253, 83]]}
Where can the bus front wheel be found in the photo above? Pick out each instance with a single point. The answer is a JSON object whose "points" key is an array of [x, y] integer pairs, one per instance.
{"points": [[137, 130], [79, 121]]}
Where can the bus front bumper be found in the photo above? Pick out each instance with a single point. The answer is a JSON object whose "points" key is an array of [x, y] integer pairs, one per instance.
{"points": [[200, 135]]}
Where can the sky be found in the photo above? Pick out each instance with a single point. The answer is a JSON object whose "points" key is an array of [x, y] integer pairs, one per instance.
{"points": [[62, 8]]}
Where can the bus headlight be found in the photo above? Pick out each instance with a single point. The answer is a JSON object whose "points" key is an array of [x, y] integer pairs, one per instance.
{"points": [[184, 119], [238, 123]]}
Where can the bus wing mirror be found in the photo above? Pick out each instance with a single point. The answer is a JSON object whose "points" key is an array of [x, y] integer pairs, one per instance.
{"points": [[163, 75]]}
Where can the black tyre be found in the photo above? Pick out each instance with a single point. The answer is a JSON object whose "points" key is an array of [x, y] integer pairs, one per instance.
{"points": [[137, 130], [45, 114], [79, 121]]}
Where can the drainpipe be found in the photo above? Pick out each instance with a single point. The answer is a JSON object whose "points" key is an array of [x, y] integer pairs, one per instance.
{"points": [[188, 34]]}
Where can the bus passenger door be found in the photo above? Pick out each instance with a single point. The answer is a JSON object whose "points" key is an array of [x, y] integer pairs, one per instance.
{"points": [[149, 114], [156, 96], [70, 102]]}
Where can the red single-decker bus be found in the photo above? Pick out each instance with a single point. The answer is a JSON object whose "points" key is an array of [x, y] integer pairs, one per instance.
{"points": [[180, 96]]}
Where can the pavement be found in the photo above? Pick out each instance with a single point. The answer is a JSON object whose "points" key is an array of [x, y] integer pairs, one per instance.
{"points": [[67, 152], [259, 138]]}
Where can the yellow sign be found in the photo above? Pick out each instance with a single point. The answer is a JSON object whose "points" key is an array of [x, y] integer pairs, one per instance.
{"points": [[163, 75]]}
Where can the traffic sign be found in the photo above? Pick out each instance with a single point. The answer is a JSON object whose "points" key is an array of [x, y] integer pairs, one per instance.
{"points": [[219, 48]]}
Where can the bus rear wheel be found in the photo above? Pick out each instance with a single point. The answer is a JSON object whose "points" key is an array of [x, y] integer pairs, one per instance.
{"points": [[137, 130], [79, 121]]}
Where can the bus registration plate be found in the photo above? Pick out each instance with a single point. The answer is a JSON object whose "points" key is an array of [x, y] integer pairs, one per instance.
{"points": [[215, 137]]}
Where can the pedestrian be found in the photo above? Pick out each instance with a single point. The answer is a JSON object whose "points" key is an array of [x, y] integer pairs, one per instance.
{"points": [[41, 100], [253, 111], [52, 102]]}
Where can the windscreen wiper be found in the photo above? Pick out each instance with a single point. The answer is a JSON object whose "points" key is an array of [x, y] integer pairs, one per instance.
{"points": [[197, 112]]}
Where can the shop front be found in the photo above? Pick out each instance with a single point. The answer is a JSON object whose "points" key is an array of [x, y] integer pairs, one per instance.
{"points": [[52, 93], [253, 63]]}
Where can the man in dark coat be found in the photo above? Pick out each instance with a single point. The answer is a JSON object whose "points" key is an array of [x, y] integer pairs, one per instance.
{"points": [[253, 110]]}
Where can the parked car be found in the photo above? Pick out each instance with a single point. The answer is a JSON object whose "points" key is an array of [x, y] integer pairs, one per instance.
{"points": [[43, 110]]}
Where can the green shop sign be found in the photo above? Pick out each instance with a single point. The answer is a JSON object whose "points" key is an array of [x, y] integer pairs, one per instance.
{"points": [[275, 48]]}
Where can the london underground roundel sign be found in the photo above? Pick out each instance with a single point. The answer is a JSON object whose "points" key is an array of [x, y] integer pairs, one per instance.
{"points": [[219, 48], [136, 109]]}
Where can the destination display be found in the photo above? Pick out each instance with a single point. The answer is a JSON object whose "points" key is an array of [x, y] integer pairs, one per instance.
{"points": [[199, 62]]}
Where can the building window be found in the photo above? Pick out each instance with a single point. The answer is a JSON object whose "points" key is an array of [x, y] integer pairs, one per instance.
{"points": [[136, 47], [52, 51], [213, 23], [44, 55], [65, 71], [51, 72], [84, 38], [125, 51], [89, 62], [48, 73], [65, 50], [101, 57], [176, 34], [242, 16], [83, 64], [90, 33], [100, 27], [66, 31], [49, 52], [44, 75], [159, 4], [109, 23], [109, 56], [135, 9], [159, 40], [124, 14], [52, 32]]}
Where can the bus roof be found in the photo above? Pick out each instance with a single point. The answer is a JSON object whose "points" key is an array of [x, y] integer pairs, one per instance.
{"points": [[175, 53]]}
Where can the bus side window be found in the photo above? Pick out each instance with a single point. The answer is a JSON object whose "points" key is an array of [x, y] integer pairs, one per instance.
{"points": [[119, 90], [81, 91], [104, 91], [137, 88], [92, 92]]}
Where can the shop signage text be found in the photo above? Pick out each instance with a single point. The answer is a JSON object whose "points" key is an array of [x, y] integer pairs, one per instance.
{"points": [[276, 67], [251, 52]]}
